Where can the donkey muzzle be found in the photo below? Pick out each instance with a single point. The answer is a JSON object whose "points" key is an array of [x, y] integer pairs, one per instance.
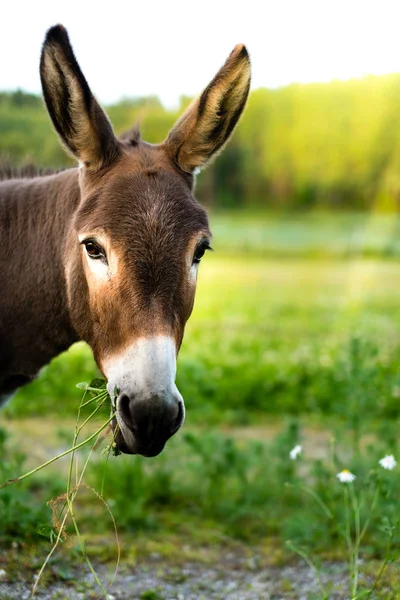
{"points": [[149, 407], [146, 423]]}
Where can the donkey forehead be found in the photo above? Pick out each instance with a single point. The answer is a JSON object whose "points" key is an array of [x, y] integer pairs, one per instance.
{"points": [[143, 202]]}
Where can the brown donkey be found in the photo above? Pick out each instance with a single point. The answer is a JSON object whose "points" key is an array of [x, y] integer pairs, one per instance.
{"points": [[108, 252]]}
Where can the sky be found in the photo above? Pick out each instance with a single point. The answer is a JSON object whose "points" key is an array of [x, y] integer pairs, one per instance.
{"points": [[173, 47]]}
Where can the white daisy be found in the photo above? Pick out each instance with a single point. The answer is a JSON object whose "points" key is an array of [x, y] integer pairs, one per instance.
{"points": [[295, 452], [388, 462], [345, 476]]}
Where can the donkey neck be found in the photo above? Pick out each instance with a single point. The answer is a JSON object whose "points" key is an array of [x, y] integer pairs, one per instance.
{"points": [[35, 215]]}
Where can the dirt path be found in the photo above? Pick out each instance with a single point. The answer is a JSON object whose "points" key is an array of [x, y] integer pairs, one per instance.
{"points": [[233, 579]]}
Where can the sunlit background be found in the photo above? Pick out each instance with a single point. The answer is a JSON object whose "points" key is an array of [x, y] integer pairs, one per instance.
{"points": [[295, 336]]}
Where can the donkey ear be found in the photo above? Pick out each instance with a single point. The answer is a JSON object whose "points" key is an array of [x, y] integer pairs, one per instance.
{"points": [[207, 124], [81, 124]]}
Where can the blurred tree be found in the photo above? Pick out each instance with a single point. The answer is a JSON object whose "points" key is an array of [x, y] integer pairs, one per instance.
{"points": [[330, 145]]}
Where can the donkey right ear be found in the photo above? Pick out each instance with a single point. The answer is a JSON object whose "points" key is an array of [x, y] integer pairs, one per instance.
{"points": [[78, 119]]}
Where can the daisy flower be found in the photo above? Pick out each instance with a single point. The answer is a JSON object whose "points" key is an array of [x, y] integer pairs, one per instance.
{"points": [[295, 452], [388, 462], [345, 476]]}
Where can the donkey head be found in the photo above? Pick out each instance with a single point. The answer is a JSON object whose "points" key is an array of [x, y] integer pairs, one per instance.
{"points": [[137, 236]]}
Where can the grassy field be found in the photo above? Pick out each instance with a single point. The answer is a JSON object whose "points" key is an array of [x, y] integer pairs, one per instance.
{"points": [[314, 234], [291, 342]]}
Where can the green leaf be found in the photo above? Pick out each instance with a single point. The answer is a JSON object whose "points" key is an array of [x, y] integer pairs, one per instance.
{"points": [[82, 386], [44, 530], [98, 383]]}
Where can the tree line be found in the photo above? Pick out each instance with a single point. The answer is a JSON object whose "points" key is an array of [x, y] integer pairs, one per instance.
{"points": [[303, 146]]}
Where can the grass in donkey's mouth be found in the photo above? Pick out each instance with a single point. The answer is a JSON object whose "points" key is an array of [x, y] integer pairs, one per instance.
{"points": [[96, 396], [100, 397]]}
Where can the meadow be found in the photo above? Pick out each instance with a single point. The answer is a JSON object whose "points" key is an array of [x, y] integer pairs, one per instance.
{"points": [[294, 339]]}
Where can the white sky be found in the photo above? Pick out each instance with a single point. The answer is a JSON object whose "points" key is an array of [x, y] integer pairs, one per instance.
{"points": [[174, 47]]}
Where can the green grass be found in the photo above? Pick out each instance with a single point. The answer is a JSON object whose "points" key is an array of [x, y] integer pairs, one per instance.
{"points": [[23, 506], [212, 485]]}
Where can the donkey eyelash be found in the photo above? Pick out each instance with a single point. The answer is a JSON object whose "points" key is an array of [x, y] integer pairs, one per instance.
{"points": [[200, 250]]}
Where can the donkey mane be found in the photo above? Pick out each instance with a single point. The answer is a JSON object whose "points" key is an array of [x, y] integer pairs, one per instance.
{"points": [[27, 171]]}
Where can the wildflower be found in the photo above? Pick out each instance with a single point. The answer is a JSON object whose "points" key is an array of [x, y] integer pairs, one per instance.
{"points": [[345, 476], [297, 450], [388, 462]]}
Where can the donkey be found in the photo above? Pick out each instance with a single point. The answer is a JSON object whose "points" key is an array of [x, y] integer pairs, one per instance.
{"points": [[108, 252]]}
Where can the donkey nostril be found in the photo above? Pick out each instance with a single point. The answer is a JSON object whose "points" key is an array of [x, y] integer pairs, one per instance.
{"points": [[123, 407], [178, 421]]}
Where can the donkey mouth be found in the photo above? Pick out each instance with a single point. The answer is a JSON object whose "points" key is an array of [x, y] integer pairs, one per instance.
{"points": [[132, 446], [143, 424]]}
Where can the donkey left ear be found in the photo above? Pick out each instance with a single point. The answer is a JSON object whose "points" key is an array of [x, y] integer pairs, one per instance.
{"points": [[206, 125], [78, 119]]}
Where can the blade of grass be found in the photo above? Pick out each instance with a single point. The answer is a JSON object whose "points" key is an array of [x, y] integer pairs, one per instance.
{"points": [[312, 566], [61, 526], [49, 462]]}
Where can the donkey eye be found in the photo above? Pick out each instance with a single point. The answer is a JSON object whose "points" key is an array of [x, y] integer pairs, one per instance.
{"points": [[94, 250], [200, 250]]}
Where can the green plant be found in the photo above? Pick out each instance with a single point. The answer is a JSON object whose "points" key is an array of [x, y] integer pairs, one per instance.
{"points": [[351, 515], [22, 508], [63, 506]]}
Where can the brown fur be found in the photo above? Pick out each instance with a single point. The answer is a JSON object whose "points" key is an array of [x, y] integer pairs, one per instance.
{"points": [[139, 195]]}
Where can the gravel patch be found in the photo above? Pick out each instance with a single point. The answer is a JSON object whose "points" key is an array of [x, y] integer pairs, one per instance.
{"points": [[234, 579]]}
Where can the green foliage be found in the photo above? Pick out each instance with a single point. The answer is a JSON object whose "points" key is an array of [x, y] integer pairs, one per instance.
{"points": [[151, 595], [22, 505], [241, 488], [204, 476], [245, 489], [302, 146]]}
